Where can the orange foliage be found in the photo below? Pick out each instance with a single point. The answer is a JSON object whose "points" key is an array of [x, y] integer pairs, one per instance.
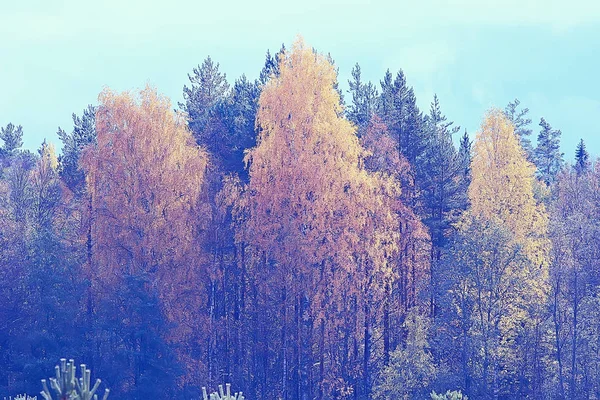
{"points": [[323, 227], [144, 177], [311, 200]]}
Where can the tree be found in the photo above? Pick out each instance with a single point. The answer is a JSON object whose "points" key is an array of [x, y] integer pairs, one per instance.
{"points": [[414, 258], [239, 114], [45, 191], [43, 278], [271, 67], [145, 178], [464, 161], [222, 118], [310, 203], [208, 89], [83, 134], [12, 136], [444, 193], [439, 176], [398, 109], [518, 117], [67, 384], [501, 188], [501, 194], [491, 289], [364, 100], [464, 157], [384, 158], [411, 369], [574, 278], [145, 175], [222, 394], [547, 155], [582, 163], [133, 334]]}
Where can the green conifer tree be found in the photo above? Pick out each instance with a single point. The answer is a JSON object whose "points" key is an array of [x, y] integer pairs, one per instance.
{"points": [[84, 133], [12, 136], [547, 155], [518, 117], [582, 162]]}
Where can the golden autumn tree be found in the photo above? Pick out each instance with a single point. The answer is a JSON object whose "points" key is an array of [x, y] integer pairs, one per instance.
{"points": [[502, 188], [502, 192], [324, 230], [144, 177], [501, 258]]}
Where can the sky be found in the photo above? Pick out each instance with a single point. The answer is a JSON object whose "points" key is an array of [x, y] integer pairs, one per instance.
{"points": [[56, 56]]}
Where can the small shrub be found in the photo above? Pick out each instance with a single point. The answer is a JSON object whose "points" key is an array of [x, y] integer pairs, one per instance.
{"points": [[449, 395], [67, 386], [222, 395]]}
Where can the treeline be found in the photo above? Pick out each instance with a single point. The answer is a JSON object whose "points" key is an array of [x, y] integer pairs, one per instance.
{"points": [[269, 236]]}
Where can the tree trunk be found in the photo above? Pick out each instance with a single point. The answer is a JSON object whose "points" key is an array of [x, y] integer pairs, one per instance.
{"points": [[322, 358], [556, 316], [367, 352], [574, 336], [284, 338]]}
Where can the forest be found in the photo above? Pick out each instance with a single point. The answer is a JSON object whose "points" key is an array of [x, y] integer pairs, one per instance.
{"points": [[300, 242]]}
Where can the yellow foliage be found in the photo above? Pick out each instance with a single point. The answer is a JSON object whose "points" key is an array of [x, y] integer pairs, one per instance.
{"points": [[502, 188], [145, 176], [311, 198], [320, 226], [48, 156], [503, 244]]}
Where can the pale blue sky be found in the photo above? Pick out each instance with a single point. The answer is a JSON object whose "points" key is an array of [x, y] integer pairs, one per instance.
{"points": [[56, 56]]}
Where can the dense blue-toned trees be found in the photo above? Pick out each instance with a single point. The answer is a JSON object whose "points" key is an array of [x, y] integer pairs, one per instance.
{"points": [[269, 236]]}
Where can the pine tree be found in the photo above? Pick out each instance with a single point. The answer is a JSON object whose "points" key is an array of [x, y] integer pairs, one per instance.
{"points": [[582, 163], [83, 134], [449, 395], [238, 112], [208, 89], [398, 109], [443, 192], [464, 157], [271, 67], [521, 125], [548, 157], [385, 104], [364, 100], [440, 176], [13, 138], [45, 189]]}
